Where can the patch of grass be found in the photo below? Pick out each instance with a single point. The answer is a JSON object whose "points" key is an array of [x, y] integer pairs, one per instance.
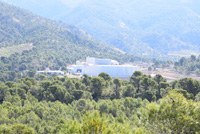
{"points": [[7, 51]]}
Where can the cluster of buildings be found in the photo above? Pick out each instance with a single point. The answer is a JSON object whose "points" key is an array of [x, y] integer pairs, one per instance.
{"points": [[94, 66]]}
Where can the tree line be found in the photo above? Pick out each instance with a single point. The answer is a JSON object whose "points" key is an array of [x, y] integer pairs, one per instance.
{"points": [[100, 104], [184, 65], [189, 65]]}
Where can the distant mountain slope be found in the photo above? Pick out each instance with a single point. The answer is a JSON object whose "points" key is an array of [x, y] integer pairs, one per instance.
{"points": [[54, 44], [149, 27], [17, 24]]}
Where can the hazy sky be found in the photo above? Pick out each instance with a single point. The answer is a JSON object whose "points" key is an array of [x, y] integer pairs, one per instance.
{"points": [[43, 7]]}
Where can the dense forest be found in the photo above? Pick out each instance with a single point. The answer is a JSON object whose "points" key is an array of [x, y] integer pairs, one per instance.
{"points": [[93, 105]]}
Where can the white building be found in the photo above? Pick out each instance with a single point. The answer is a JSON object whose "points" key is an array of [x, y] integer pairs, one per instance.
{"points": [[50, 72], [95, 66]]}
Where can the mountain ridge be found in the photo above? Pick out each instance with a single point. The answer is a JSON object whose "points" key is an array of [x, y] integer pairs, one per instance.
{"points": [[136, 27]]}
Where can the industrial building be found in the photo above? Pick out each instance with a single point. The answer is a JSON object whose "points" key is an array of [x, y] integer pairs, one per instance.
{"points": [[95, 66]]}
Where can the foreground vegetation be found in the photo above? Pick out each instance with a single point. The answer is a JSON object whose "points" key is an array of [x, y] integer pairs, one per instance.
{"points": [[99, 105]]}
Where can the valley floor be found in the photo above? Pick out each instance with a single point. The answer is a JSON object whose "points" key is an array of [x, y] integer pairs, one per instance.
{"points": [[169, 74]]}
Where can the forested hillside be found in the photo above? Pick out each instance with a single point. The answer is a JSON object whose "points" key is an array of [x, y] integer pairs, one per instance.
{"points": [[142, 105], [53, 44], [142, 27]]}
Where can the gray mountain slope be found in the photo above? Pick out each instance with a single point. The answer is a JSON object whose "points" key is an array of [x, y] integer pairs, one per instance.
{"points": [[150, 27]]}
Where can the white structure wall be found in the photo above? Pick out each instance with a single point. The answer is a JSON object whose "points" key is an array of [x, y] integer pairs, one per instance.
{"points": [[94, 66], [112, 70], [90, 60], [102, 62]]}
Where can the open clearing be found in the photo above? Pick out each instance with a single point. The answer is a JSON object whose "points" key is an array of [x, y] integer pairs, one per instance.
{"points": [[7, 51], [169, 74]]}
